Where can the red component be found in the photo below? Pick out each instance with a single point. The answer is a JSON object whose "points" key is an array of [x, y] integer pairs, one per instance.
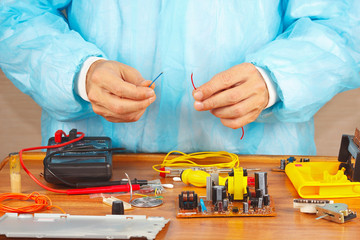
{"points": [[58, 136], [251, 181], [114, 188], [162, 174]]}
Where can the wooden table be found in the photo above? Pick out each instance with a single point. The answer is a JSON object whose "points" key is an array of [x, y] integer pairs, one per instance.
{"points": [[288, 224]]}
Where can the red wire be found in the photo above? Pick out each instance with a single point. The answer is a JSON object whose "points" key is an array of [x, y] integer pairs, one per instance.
{"points": [[242, 128], [46, 147], [192, 81], [243, 133]]}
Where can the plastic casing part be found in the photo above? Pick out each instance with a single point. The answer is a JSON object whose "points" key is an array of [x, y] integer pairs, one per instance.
{"points": [[42, 225], [321, 180]]}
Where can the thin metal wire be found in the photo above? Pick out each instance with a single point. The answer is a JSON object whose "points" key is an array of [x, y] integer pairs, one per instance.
{"points": [[155, 79], [131, 191]]}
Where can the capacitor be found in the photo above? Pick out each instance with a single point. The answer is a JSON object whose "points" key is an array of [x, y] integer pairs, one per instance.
{"points": [[259, 193], [254, 203], [118, 208], [245, 207], [225, 204], [260, 202], [266, 200], [282, 164], [220, 206], [261, 182], [235, 210], [218, 193]]}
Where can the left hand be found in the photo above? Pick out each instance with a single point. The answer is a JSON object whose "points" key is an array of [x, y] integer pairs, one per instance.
{"points": [[236, 96]]}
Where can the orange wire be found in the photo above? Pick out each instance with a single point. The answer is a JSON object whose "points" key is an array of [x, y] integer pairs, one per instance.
{"points": [[41, 202]]}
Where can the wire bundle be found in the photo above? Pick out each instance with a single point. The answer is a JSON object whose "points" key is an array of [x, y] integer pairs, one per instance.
{"points": [[187, 160], [40, 202]]}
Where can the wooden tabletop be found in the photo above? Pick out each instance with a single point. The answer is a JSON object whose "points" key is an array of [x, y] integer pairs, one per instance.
{"points": [[288, 224]]}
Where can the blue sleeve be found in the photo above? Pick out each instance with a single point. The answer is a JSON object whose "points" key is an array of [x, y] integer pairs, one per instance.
{"points": [[41, 55], [316, 57]]}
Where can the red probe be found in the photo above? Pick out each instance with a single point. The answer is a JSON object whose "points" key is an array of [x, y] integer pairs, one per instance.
{"points": [[114, 188]]}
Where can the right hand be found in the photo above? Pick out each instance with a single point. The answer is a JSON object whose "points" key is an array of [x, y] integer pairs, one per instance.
{"points": [[118, 92]]}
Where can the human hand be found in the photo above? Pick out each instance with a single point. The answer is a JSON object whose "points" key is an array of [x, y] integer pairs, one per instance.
{"points": [[236, 96], [118, 92]]}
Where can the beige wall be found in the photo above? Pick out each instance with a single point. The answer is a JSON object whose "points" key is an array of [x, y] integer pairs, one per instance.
{"points": [[20, 120]]}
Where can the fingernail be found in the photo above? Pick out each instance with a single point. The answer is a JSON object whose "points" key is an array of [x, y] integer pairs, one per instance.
{"points": [[152, 99], [198, 105], [198, 95], [149, 93]]}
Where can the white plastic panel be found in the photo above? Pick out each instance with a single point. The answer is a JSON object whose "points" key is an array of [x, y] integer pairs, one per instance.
{"points": [[44, 225]]}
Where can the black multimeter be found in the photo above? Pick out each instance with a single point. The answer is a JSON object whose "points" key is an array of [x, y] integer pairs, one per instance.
{"points": [[87, 160]]}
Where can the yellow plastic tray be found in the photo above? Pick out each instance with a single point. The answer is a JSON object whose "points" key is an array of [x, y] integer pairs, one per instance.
{"points": [[321, 180]]}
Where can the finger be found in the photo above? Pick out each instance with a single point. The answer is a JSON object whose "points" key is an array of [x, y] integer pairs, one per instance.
{"points": [[131, 75], [125, 106], [228, 97], [146, 83], [111, 117], [236, 123], [237, 110], [222, 81], [123, 89]]}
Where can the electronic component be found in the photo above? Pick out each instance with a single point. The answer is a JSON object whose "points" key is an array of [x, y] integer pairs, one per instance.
{"points": [[309, 205], [337, 212], [188, 200], [282, 164], [117, 208], [236, 183], [87, 160], [245, 207], [232, 200], [261, 183]]}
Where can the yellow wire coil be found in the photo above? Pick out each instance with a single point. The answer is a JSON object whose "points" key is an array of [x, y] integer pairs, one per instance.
{"points": [[188, 160]]}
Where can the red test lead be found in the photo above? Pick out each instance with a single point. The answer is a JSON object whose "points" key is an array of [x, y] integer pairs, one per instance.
{"points": [[114, 188]]}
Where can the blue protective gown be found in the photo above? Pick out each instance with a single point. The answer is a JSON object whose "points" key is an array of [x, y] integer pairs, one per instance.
{"points": [[311, 49]]}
